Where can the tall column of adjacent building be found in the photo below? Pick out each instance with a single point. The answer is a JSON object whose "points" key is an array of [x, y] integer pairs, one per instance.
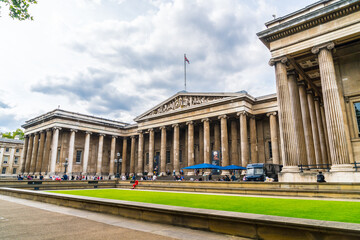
{"points": [[163, 151], [54, 150], [224, 143], [216, 137], [132, 155], [100, 154], [253, 140], [244, 139], [191, 155], [325, 132], [176, 144], [86, 152], [317, 148], [112, 155], [321, 131], [151, 151], [11, 162], [296, 113], [34, 153], [1, 157], [184, 159], [333, 112], [140, 167], [206, 123], [40, 153], [124, 157], [274, 137], [234, 143], [29, 154], [45, 165], [286, 120], [201, 144], [71, 151], [23, 153], [305, 112]]}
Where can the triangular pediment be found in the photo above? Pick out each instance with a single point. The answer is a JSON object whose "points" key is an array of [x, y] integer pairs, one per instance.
{"points": [[184, 100]]}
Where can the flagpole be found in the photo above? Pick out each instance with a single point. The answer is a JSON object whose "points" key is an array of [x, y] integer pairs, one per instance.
{"points": [[185, 71]]}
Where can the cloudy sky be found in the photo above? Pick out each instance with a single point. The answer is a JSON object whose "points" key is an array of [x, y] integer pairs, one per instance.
{"points": [[118, 58]]}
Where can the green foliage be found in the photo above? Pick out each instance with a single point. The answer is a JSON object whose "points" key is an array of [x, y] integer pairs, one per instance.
{"points": [[12, 135], [340, 211], [19, 8]]}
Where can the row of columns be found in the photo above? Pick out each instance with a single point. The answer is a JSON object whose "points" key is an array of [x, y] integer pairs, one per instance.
{"points": [[311, 132]]}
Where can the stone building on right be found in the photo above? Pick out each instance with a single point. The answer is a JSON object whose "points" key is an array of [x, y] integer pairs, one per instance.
{"points": [[316, 55]]}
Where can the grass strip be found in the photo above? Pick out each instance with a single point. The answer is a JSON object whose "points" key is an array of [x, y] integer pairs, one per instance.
{"points": [[340, 211]]}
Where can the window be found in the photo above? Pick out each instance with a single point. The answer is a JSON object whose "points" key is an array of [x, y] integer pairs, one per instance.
{"points": [[6, 159], [270, 150], [3, 170], [17, 150], [7, 150], [180, 156], [78, 156], [58, 156], [16, 160], [147, 158], [167, 156], [357, 115], [14, 170]]}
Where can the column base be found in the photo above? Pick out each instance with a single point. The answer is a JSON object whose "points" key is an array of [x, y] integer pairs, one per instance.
{"points": [[342, 168], [162, 174], [290, 169], [189, 173], [225, 172], [139, 174]]}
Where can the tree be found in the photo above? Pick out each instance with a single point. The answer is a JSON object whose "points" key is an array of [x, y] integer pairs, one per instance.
{"points": [[12, 135], [19, 8]]}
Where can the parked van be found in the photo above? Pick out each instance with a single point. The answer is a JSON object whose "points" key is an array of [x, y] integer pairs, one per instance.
{"points": [[259, 171]]}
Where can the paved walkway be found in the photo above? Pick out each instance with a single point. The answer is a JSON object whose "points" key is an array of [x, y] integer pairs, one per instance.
{"points": [[25, 219]]}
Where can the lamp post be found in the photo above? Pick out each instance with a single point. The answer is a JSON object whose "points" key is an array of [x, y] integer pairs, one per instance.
{"points": [[66, 164], [117, 161]]}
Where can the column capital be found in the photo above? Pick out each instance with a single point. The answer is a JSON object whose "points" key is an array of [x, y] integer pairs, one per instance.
{"points": [[222, 116], [271, 114], [26, 136], [57, 128], [242, 113], [283, 60], [175, 125], [132, 136], [328, 46], [140, 131], [113, 136], [87, 132], [124, 138], [317, 98], [162, 127], [310, 91], [302, 83], [205, 120], [102, 134], [48, 129], [189, 123], [73, 130], [150, 130], [292, 73]]}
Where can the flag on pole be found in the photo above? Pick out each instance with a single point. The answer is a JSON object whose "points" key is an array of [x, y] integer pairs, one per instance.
{"points": [[186, 60]]}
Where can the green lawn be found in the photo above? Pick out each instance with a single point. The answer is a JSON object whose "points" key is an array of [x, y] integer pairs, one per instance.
{"points": [[311, 209]]}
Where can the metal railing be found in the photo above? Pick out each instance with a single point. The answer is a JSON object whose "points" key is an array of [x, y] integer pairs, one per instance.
{"points": [[357, 165], [316, 166]]}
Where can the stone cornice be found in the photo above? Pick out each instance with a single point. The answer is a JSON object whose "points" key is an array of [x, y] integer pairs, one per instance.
{"points": [[310, 20]]}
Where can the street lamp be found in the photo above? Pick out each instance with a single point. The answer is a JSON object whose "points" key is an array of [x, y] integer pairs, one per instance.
{"points": [[117, 161], [66, 164]]}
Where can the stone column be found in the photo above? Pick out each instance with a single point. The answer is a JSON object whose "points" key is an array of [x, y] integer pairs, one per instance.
{"points": [[305, 112], [296, 113], [216, 137], [140, 169], [124, 157], [224, 144], [201, 144], [45, 164], [191, 155], [234, 143], [40, 153], [244, 139], [132, 156], [253, 140], [100, 154], [318, 157], [176, 145], [163, 151], [321, 131], [326, 133], [112, 155], [71, 151], [34, 153], [29, 154], [86, 152], [286, 120], [206, 122], [151, 152], [23, 154], [54, 150], [333, 112], [274, 137]]}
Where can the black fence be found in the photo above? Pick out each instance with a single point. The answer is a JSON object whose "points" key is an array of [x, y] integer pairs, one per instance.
{"points": [[357, 165], [316, 166]]}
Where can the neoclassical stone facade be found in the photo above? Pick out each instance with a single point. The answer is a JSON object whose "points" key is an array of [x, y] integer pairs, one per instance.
{"points": [[181, 131], [10, 156]]}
